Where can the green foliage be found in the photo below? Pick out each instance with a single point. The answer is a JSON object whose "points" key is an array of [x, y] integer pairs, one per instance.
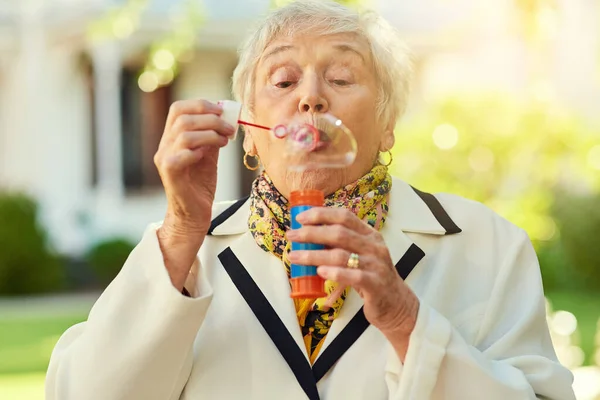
{"points": [[512, 156], [557, 271], [107, 258], [119, 22], [579, 222], [166, 53], [27, 265]]}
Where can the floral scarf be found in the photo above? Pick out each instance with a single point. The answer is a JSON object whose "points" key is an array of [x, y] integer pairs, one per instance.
{"points": [[270, 219]]}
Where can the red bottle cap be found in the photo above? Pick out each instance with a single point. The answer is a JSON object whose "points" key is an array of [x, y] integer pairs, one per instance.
{"points": [[308, 287], [308, 197]]}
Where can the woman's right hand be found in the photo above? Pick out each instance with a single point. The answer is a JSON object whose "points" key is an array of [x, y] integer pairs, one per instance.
{"points": [[187, 164]]}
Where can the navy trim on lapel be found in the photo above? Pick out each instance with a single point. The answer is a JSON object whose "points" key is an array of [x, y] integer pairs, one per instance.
{"points": [[438, 212], [271, 322], [359, 323], [224, 216]]}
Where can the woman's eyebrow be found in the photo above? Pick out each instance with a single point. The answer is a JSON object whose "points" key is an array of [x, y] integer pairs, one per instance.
{"points": [[276, 50], [342, 47], [349, 48]]}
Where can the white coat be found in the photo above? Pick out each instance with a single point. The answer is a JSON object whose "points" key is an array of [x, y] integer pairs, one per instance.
{"points": [[481, 331]]}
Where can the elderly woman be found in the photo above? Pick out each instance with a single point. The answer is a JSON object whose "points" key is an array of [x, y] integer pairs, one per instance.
{"points": [[444, 298]]}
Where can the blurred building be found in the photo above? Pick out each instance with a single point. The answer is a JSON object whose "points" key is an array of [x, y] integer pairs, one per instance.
{"points": [[77, 132]]}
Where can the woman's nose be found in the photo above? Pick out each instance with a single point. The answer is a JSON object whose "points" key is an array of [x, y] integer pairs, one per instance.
{"points": [[312, 99]]}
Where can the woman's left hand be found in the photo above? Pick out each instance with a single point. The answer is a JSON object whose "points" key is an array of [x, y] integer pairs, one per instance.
{"points": [[390, 305]]}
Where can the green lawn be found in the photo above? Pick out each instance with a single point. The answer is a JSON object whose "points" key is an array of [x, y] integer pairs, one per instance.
{"points": [[26, 343], [25, 347], [22, 386]]}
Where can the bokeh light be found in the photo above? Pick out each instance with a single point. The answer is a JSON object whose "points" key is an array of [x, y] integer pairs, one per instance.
{"points": [[163, 59], [148, 81], [165, 76], [564, 323], [123, 27], [544, 228], [445, 136]]}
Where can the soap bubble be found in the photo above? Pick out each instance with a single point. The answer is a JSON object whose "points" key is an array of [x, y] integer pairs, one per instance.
{"points": [[323, 142]]}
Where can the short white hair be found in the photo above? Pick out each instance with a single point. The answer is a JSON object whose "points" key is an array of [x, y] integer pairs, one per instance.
{"points": [[391, 58]]}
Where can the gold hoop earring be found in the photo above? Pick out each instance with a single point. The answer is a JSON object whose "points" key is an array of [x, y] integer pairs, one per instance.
{"points": [[250, 167], [390, 161]]}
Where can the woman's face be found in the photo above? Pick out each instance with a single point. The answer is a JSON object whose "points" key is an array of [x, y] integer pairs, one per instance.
{"points": [[305, 75]]}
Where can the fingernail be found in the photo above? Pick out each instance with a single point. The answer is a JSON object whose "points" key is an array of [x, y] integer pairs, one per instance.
{"points": [[230, 129], [322, 272], [302, 217]]}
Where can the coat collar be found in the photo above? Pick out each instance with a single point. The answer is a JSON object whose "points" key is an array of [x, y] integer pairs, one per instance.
{"points": [[414, 211]]}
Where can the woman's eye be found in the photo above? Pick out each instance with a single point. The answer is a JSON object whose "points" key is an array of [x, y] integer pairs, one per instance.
{"points": [[340, 82], [284, 84]]}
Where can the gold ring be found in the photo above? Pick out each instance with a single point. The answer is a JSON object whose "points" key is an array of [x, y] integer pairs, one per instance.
{"points": [[353, 261]]}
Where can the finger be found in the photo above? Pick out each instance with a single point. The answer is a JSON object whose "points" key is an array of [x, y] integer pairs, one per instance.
{"points": [[194, 139], [196, 106], [334, 236], [359, 279], [337, 257], [332, 216], [332, 298], [183, 158], [203, 122]]}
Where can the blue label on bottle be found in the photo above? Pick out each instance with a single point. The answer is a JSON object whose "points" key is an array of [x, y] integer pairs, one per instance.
{"points": [[302, 270]]}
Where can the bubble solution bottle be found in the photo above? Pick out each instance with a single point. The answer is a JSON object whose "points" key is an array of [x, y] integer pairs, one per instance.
{"points": [[304, 279]]}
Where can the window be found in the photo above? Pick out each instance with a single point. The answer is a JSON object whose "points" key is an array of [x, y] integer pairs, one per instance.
{"points": [[143, 117], [143, 120]]}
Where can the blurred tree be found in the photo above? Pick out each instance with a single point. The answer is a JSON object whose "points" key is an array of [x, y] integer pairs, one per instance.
{"points": [[108, 257], [578, 218], [27, 263], [167, 52], [511, 155]]}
